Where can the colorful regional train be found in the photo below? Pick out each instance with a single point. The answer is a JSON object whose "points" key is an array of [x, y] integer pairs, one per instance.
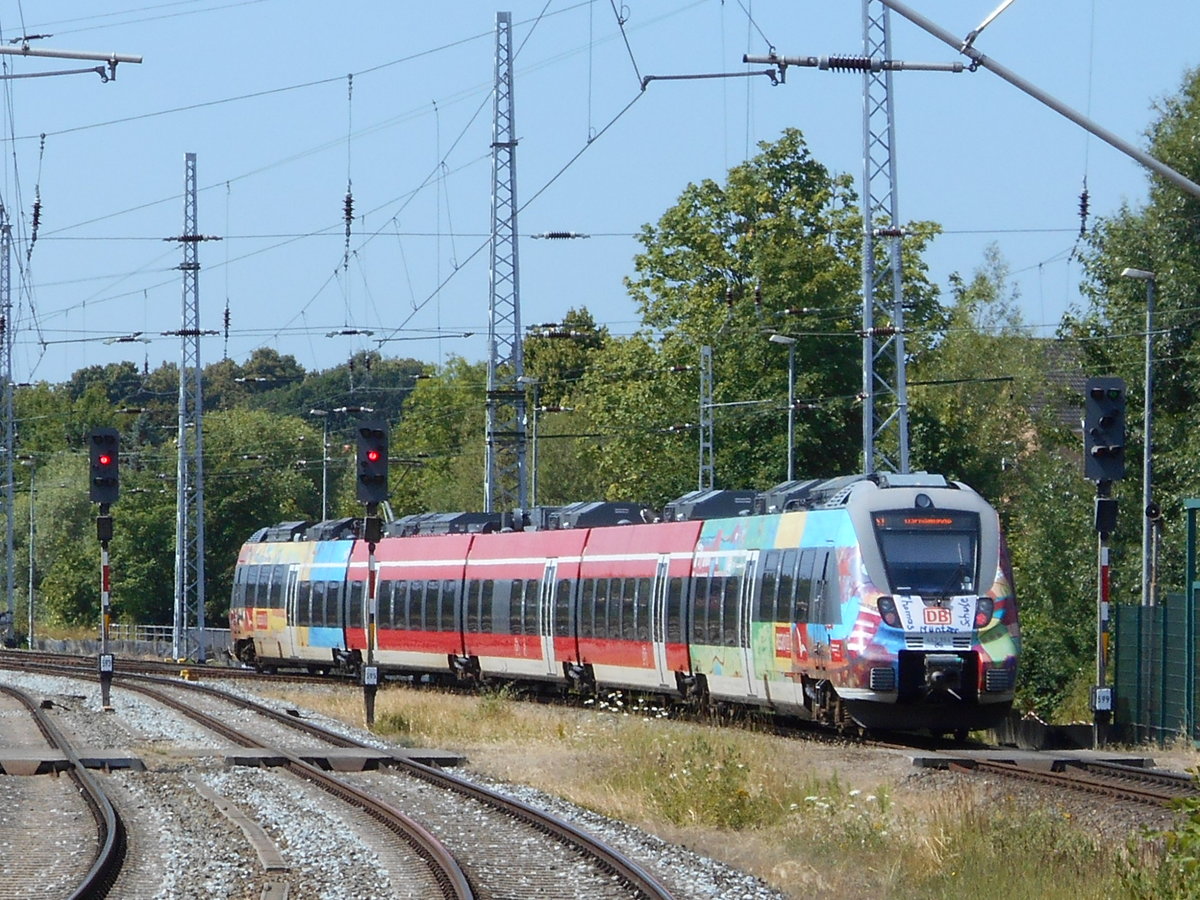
{"points": [[886, 600]]}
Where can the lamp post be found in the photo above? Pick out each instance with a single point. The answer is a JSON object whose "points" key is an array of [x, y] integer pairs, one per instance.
{"points": [[791, 401], [324, 414], [1149, 511]]}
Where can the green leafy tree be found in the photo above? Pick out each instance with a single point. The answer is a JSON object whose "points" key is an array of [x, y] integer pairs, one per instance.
{"points": [[1161, 237], [774, 249]]}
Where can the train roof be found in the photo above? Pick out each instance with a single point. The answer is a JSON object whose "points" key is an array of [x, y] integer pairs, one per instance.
{"points": [[825, 493], [710, 504]]}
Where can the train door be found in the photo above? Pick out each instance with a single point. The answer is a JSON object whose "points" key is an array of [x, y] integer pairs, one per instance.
{"points": [[290, 643], [546, 615], [745, 615], [658, 618]]}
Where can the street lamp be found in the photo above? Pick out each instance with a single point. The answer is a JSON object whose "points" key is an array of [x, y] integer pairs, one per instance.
{"points": [[1149, 511], [791, 401]]}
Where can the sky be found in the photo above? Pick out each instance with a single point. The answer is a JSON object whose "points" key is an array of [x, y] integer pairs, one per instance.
{"points": [[290, 104]]}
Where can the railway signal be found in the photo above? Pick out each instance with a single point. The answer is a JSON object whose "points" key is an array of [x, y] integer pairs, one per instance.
{"points": [[104, 484], [372, 461], [1104, 429]]}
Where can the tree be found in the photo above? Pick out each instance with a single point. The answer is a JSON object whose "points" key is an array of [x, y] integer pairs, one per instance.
{"points": [[1161, 237], [776, 248]]}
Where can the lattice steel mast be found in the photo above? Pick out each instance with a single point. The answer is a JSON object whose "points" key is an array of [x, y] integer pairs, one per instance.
{"points": [[883, 345], [505, 479], [189, 486], [6, 342]]}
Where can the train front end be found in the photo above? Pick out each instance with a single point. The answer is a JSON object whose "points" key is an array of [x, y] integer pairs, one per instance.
{"points": [[937, 628]]}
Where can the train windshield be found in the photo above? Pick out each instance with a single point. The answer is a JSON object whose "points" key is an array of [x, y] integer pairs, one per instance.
{"points": [[929, 552]]}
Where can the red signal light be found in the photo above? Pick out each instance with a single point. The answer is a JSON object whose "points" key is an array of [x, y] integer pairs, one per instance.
{"points": [[372, 455], [104, 459]]}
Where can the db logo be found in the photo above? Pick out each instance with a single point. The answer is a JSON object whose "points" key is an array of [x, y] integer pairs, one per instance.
{"points": [[937, 615]]}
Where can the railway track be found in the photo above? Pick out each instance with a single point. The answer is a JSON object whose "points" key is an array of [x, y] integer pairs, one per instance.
{"points": [[109, 845], [1106, 779], [615, 876]]}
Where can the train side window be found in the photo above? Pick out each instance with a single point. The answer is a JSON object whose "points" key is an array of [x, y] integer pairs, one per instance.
{"points": [[275, 591], [562, 607], [250, 586], [496, 613], [533, 597], [699, 606], [383, 603], [601, 623], [768, 586], [400, 604], [316, 616], [729, 612], [471, 604], [675, 588], [433, 605], [629, 611], [301, 615], [449, 603], [354, 617], [645, 593], [516, 613], [333, 593], [826, 602], [788, 584], [419, 618], [801, 602], [587, 607]]}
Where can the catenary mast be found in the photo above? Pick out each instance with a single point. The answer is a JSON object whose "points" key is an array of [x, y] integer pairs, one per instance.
{"points": [[505, 478]]}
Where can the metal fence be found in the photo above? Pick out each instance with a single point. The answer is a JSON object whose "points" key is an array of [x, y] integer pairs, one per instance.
{"points": [[1154, 682]]}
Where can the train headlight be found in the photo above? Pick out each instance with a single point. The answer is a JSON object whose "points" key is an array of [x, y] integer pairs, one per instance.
{"points": [[984, 606], [888, 612]]}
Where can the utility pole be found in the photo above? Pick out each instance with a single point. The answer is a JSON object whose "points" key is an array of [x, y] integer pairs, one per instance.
{"points": [[505, 478], [883, 354], [189, 484], [6, 343], [107, 73]]}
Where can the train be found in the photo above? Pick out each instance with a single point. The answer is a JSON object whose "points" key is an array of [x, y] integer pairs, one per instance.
{"points": [[881, 601]]}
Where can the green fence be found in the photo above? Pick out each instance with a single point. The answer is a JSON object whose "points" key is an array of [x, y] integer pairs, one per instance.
{"points": [[1155, 675]]}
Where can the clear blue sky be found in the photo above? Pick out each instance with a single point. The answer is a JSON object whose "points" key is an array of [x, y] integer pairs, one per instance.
{"points": [[258, 89]]}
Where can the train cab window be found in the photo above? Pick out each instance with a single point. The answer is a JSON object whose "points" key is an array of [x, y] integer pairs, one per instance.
{"points": [[675, 588], [929, 553], [354, 614], [562, 607]]}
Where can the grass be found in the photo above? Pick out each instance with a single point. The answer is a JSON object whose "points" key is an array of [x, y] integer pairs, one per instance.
{"points": [[811, 820]]}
